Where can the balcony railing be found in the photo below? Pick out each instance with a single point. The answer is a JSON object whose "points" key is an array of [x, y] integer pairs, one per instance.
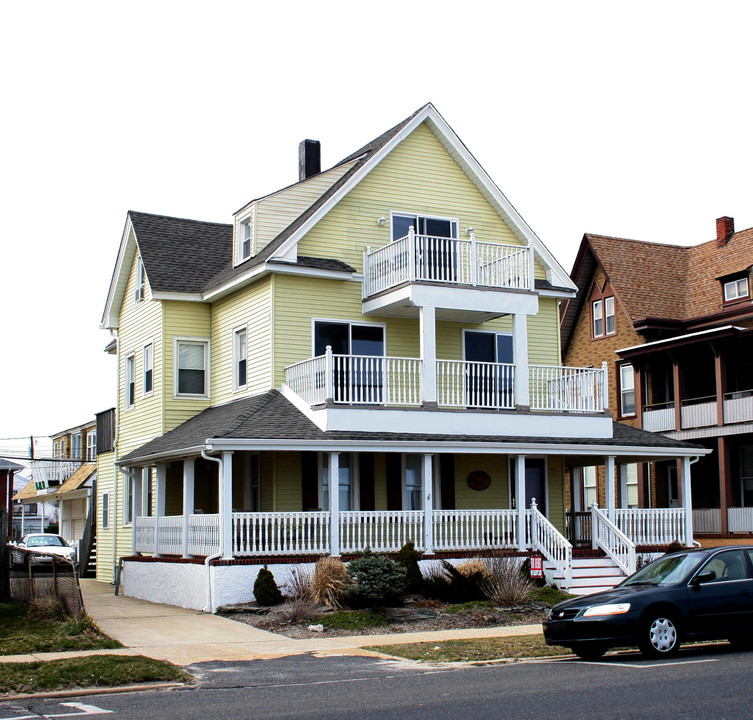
{"points": [[738, 407], [698, 412], [475, 384], [556, 389], [426, 258], [659, 417]]}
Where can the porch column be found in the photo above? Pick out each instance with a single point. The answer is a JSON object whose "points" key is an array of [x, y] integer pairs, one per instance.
{"points": [[725, 483], [520, 499], [189, 465], [137, 502], [609, 486], [427, 321], [687, 501], [623, 485], [427, 485], [159, 503], [677, 385], [520, 357], [333, 481], [226, 506]]}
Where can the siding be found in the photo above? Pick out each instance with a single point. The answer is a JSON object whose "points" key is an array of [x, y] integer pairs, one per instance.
{"points": [[495, 496], [105, 538]]}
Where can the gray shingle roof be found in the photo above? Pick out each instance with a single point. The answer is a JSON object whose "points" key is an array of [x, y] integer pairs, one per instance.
{"points": [[272, 417]]}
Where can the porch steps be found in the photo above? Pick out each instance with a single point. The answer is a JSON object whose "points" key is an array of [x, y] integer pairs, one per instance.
{"points": [[590, 575]]}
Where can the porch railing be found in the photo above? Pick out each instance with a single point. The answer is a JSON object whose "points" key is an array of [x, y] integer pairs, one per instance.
{"points": [[462, 383], [578, 526], [546, 539], [144, 534], [170, 534], [696, 413], [203, 534], [428, 258], [658, 418], [738, 406], [655, 526], [380, 530], [276, 533], [707, 520], [613, 541], [557, 388], [474, 529], [740, 519]]}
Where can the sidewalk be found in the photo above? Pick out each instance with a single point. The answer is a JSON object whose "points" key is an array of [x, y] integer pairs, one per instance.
{"points": [[184, 637]]}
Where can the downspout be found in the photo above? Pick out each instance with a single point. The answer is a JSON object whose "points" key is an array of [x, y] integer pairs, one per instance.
{"points": [[116, 335], [207, 561], [692, 462]]}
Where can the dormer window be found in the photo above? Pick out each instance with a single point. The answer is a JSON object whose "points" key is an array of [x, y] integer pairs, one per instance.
{"points": [[244, 229], [603, 317], [736, 289], [140, 279]]}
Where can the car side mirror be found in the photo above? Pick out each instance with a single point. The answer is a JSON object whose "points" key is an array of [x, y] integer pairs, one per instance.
{"points": [[703, 577]]}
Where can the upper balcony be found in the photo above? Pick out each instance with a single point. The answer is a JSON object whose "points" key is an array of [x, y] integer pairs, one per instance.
{"points": [[416, 270], [702, 412]]}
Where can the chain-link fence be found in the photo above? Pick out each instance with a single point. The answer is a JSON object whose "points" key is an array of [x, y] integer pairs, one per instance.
{"points": [[34, 575]]}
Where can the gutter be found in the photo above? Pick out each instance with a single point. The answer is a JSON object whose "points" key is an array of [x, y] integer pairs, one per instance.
{"points": [[210, 608]]}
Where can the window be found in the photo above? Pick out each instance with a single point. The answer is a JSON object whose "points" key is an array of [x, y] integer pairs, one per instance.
{"points": [[609, 315], [240, 352], [627, 390], [127, 499], [589, 486], [488, 386], [140, 279], [105, 510], [91, 445], [346, 484], [148, 369], [58, 451], [191, 375], [435, 227], [146, 492], [245, 238], [604, 321], [412, 492], [631, 483], [736, 289], [746, 475], [76, 446], [130, 381], [598, 314]]}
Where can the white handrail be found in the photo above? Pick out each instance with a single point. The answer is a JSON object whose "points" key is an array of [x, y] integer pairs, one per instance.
{"points": [[465, 383], [475, 529], [651, 526], [572, 389], [555, 547], [380, 530], [607, 536]]}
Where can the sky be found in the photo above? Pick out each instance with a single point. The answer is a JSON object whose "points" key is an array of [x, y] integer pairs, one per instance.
{"points": [[625, 119]]}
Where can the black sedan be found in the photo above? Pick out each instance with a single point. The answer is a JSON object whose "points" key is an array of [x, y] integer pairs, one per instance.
{"points": [[688, 595]]}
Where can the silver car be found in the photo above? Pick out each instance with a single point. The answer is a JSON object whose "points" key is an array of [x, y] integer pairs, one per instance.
{"points": [[48, 544]]}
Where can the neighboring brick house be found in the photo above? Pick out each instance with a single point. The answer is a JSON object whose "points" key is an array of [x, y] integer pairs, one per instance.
{"points": [[675, 325]]}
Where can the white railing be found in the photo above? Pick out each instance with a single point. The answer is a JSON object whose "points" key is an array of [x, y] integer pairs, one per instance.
{"points": [[475, 384], [707, 520], [281, 533], [170, 535], [203, 534], [428, 258], [144, 535], [380, 530], [660, 419], [740, 519], [543, 537], [698, 414], [570, 389], [654, 526], [474, 529], [307, 379], [738, 407], [613, 541]]}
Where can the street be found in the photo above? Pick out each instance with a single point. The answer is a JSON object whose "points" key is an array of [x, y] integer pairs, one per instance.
{"points": [[702, 682]]}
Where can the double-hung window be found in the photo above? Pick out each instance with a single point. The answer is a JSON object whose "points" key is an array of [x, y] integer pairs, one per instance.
{"points": [[127, 500], [240, 351], [413, 498], [736, 289], [604, 320], [146, 492], [130, 381], [244, 241], [627, 390], [105, 510], [91, 445], [140, 280], [598, 317], [346, 484], [609, 318], [192, 367], [76, 446], [148, 369]]}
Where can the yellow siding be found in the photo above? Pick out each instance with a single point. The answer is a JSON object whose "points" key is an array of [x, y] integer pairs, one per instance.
{"points": [[182, 320], [250, 307], [288, 485], [495, 496], [105, 538], [556, 485]]}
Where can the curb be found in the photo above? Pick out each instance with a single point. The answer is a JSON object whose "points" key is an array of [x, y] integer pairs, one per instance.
{"points": [[92, 691]]}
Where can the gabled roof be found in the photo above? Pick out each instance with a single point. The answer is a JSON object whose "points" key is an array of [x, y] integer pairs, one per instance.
{"points": [[78, 479], [658, 281]]}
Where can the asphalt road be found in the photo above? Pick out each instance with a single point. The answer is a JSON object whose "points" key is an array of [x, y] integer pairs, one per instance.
{"points": [[712, 682]]}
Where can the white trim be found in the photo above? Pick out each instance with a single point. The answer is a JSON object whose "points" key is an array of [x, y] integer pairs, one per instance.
{"points": [[237, 387], [419, 215], [730, 284], [350, 323], [178, 296], [140, 293], [679, 337], [507, 333], [144, 391], [127, 404], [248, 218], [512, 464], [207, 361], [106, 515], [621, 410], [118, 283], [355, 479], [404, 479]]}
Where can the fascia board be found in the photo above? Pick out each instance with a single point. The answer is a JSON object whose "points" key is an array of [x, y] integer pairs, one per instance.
{"points": [[116, 291], [180, 296], [561, 294]]}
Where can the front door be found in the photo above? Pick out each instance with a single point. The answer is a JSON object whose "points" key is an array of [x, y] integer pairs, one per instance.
{"points": [[535, 483]]}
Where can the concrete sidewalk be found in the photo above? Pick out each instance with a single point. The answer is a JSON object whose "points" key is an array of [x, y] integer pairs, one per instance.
{"points": [[183, 637]]}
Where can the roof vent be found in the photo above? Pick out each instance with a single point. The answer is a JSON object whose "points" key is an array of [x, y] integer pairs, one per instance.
{"points": [[725, 228], [309, 159]]}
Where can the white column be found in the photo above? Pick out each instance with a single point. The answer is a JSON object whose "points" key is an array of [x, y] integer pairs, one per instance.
{"points": [[520, 357], [189, 467], [427, 486], [333, 480], [159, 503], [136, 483], [520, 499], [427, 320], [623, 485], [687, 501], [226, 506], [609, 485]]}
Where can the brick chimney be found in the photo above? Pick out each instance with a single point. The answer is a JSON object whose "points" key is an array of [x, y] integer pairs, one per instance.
{"points": [[725, 227], [309, 159]]}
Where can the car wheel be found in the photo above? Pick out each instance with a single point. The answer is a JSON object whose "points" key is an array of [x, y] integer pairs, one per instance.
{"points": [[742, 641], [660, 636], [589, 650]]}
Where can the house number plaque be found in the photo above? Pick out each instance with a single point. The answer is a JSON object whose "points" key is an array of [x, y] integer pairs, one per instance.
{"points": [[479, 480]]}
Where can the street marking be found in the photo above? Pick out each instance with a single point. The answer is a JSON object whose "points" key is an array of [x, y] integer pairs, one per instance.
{"points": [[607, 663], [20, 717], [83, 710]]}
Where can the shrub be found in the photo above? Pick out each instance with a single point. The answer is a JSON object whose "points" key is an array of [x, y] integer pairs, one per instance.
{"points": [[408, 557], [301, 583], [48, 607], [549, 595], [504, 583], [353, 620], [473, 606], [329, 582], [377, 580], [79, 626], [446, 583], [674, 546], [471, 566], [266, 591], [297, 610]]}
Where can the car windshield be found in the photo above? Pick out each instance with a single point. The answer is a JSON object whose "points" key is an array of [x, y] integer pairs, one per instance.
{"points": [[46, 541], [665, 570]]}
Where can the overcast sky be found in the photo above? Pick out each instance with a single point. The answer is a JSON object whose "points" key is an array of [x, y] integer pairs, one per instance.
{"points": [[629, 120]]}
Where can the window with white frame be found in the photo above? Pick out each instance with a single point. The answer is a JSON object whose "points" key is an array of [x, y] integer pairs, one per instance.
{"points": [[130, 381], [604, 321], [631, 482], [589, 486], [105, 510], [598, 317], [422, 225], [627, 390], [127, 499], [191, 374], [91, 445], [736, 289], [347, 485], [76, 445], [140, 279], [244, 238], [146, 492], [57, 452], [148, 369], [240, 352], [413, 498], [609, 317]]}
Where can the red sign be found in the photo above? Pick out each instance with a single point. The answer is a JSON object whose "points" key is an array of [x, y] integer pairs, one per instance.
{"points": [[537, 566]]}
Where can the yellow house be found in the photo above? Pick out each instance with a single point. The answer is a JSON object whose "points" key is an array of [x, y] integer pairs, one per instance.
{"points": [[391, 322]]}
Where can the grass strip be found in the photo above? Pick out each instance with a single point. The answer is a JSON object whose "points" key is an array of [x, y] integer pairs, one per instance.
{"points": [[85, 672], [475, 650], [21, 634]]}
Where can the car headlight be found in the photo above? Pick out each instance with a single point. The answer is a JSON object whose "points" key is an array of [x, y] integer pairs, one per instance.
{"points": [[613, 609]]}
